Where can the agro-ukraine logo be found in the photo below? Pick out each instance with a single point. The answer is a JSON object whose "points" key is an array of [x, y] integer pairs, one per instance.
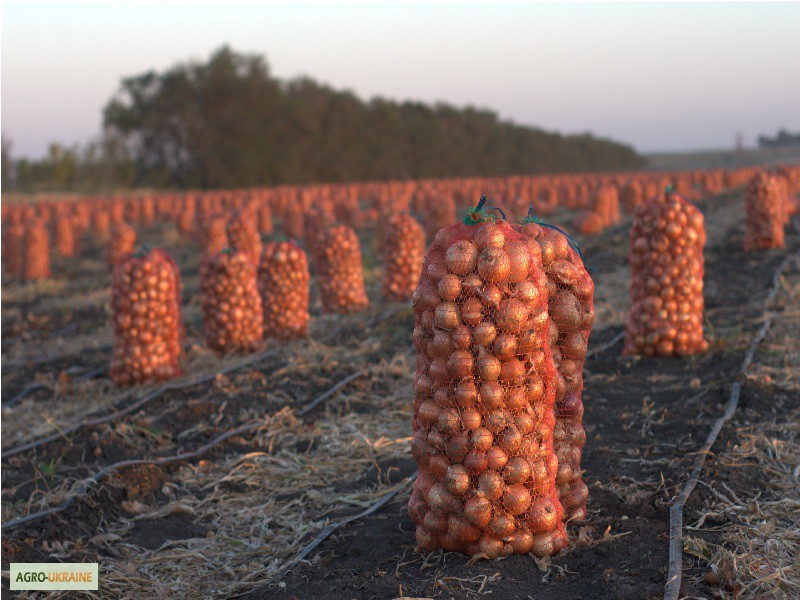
{"points": [[53, 576]]}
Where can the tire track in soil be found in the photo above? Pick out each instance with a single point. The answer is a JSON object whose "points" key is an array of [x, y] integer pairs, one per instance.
{"points": [[645, 418]]}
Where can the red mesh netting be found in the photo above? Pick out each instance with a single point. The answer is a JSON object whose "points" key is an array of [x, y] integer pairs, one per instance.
{"points": [[243, 234], [439, 212], [341, 274], [283, 282], [294, 221], [483, 397], [632, 195], [404, 248], [35, 251], [146, 319], [604, 213], [121, 244], [264, 212], [232, 316], [13, 240], [64, 241], [101, 226], [213, 232], [666, 260], [765, 213], [571, 308]]}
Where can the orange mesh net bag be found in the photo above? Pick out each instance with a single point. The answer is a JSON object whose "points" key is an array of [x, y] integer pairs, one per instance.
{"points": [[666, 261], [265, 226], [294, 221], [101, 226], [146, 319], [283, 282], [35, 251], [484, 390], [632, 195], [765, 213], [64, 241], [243, 234], [439, 211], [341, 274], [13, 244], [233, 320], [213, 234], [571, 309], [604, 213], [121, 244], [404, 249]]}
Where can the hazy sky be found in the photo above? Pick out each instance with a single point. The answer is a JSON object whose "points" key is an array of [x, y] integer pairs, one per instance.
{"points": [[660, 76]]}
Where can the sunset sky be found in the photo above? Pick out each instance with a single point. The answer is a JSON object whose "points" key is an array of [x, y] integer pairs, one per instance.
{"points": [[659, 76]]}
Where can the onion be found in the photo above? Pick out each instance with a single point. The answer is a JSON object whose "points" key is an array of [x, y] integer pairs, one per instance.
{"points": [[438, 370], [438, 465], [481, 439], [494, 264], [462, 337], [491, 394], [565, 310], [426, 541], [435, 439], [443, 397], [457, 480], [461, 530], [511, 439], [577, 496], [449, 287], [524, 423], [441, 500], [457, 447], [574, 345], [518, 470], [491, 484], [542, 515], [476, 462], [543, 545], [512, 315], [440, 345], [425, 297], [446, 315], [484, 333], [497, 458], [515, 399], [563, 272], [516, 499], [521, 541], [512, 371], [491, 296], [471, 419], [428, 412], [435, 522], [478, 511], [490, 547], [461, 257], [466, 394], [472, 311], [460, 364], [489, 235], [471, 284], [520, 260], [526, 291], [496, 420], [488, 367], [505, 346], [449, 421], [502, 525], [539, 474], [417, 508]]}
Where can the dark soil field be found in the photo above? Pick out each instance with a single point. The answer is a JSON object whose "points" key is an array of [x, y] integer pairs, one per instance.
{"points": [[274, 448]]}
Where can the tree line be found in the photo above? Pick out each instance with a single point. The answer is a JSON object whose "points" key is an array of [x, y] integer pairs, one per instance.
{"points": [[229, 123]]}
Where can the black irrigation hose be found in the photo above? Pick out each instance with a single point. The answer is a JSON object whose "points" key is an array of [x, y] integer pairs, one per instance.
{"points": [[672, 588], [90, 482]]}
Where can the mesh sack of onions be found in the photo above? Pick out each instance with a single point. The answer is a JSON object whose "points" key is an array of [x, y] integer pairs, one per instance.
{"points": [[439, 211], [666, 261], [116, 211], [632, 195], [606, 204], [294, 221], [35, 251], [214, 234], [317, 220], [64, 238], [146, 319], [264, 213], [402, 262], [101, 226], [148, 211], [232, 316], [13, 240], [243, 234], [341, 274], [570, 296], [765, 213], [483, 396], [121, 244], [283, 282]]}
